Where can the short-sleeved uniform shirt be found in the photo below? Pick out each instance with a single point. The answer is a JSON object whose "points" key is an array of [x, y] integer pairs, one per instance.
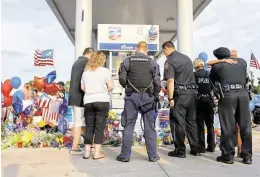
{"points": [[226, 73], [179, 67]]}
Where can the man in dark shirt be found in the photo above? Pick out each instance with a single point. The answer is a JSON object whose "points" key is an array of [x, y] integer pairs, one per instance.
{"points": [[205, 107], [178, 71], [233, 108], [76, 98]]}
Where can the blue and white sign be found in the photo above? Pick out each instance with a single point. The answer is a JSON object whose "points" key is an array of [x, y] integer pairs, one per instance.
{"points": [[126, 37]]}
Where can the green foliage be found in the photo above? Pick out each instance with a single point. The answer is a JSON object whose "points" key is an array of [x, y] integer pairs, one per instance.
{"points": [[256, 90]]}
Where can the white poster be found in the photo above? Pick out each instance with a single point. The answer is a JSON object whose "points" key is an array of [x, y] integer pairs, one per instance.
{"points": [[126, 37]]}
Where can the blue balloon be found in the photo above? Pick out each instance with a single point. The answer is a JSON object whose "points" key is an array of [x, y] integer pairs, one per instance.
{"points": [[63, 126], [18, 95], [18, 106], [203, 56], [15, 82], [51, 77], [63, 110]]}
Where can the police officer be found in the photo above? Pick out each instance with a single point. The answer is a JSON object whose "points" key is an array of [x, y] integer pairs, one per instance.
{"points": [[205, 107], [140, 76], [233, 108], [182, 93]]}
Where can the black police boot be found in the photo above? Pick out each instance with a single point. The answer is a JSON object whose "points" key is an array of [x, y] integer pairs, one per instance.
{"points": [[120, 159], [177, 153], [195, 153], [209, 149], [247, 161], [154, 159], [224, 159], [202, 150]]}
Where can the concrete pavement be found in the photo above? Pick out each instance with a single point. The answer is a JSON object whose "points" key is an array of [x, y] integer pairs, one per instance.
{"points": [[48, 162]]}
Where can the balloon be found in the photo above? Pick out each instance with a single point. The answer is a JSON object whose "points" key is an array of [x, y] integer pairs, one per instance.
{"points": [[52, 88], [39, 83], [18, 95], [203, 56], [6, 87], [18, 106], [8, 100], [51, 77], [63, 110], [63, 126], [15, 82]]}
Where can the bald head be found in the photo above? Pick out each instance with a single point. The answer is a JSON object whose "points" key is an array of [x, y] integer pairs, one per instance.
{"points": [[142, 47], [233, 53]]}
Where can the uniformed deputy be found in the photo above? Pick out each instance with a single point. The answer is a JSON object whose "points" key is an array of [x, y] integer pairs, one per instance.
{"points": [[140, 76], [233, 108], [182, 93], [205, 107]]}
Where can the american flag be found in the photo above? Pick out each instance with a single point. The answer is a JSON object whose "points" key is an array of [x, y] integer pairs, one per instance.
{"points": [[254, 62], [50, 110], [43, 58]]}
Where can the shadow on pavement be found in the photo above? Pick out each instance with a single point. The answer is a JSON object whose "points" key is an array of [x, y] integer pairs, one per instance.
{"points": [[11, 171]]}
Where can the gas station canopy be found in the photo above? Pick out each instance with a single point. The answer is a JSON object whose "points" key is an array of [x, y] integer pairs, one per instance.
{"points": [[162, 13]]}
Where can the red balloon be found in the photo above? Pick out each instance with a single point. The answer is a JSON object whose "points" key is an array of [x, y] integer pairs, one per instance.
{"points": [[6, 88], [8, 100], [39, 83], [51, 88]]}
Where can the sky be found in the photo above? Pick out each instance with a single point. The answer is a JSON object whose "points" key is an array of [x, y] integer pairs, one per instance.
{"points": [[30, 24]]}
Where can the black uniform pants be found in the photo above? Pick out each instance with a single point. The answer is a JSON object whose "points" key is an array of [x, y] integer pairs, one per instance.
{"points": [[205, 115], [234, 109], [183, 119]]}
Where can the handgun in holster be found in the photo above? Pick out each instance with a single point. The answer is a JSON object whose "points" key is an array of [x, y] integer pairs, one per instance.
{"points": [[129, 91], [220, 90]]}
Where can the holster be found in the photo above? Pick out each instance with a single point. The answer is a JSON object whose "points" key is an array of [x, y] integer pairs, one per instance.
{"points": [[150, 91], [129, 91], [123, 119]]}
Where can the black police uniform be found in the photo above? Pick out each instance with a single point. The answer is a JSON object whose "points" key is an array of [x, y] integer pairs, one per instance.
{"points": [[183, 115], [140, 76], [205, 110], [233, 109]]}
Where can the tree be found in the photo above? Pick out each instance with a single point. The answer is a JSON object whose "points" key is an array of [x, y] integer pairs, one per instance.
{"points": [[256, 90]]}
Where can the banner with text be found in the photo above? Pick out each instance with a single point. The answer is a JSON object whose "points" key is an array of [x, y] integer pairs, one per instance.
{"points": [[126, 37]]}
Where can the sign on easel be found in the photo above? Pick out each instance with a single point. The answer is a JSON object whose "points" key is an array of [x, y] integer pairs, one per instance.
{"points": [[114, 37]]}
